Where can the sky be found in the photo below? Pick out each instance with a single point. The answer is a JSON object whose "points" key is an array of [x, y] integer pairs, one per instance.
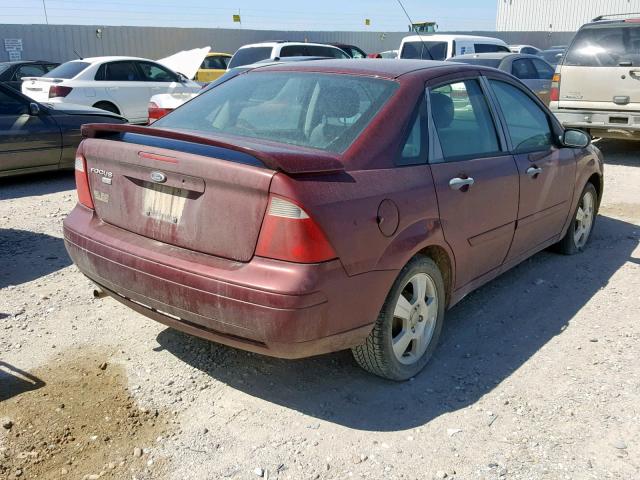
{"points": [[385, 15]]}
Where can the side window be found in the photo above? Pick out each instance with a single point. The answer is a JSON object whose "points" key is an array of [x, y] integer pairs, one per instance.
{"points": [[29, 71], [488, 48], [545, 71], [294, 51], [152, 72], [527, 123], [463, 121], [10, 105], [414, 150], [118, 72], [524, 69]]}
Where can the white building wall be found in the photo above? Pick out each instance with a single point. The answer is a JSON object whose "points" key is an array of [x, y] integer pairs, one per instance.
{"points": [[556, 15]]}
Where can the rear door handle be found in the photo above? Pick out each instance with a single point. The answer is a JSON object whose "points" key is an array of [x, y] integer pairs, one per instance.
{"points": [[457, 183], [533, 171]]}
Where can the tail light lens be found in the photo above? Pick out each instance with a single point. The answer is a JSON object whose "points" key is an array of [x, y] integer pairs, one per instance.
{"points": [[59, 91], [82, 182], [288, 233], [554, 95], [155, 112]]}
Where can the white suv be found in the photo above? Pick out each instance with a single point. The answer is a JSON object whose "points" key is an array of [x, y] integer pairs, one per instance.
{"points": [[271, 50], [596, 86]]}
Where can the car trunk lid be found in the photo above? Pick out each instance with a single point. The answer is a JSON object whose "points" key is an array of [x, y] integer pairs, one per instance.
{"points": [[37, 88], [209, 196]]}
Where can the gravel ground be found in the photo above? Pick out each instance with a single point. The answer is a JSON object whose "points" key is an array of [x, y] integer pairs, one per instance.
{"points": [[537, 374]]}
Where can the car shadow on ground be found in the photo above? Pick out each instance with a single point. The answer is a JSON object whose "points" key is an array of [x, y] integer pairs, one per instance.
{"points": [[25, 256], [15, 381], [36, 184], [620, 152], [486, 338]]}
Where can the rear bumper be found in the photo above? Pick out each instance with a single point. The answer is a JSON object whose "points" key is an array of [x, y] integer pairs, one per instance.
{"points": [[609, 124], [267, 306]]}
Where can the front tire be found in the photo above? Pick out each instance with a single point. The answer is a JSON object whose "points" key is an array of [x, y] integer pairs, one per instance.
{"points": [[408, 327], [579, 232]]}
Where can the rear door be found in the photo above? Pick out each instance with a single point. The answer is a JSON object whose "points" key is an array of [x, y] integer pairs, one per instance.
{"points": [[476, 179], [26, 141], [601, 70], [122, 83], [546, 170]]}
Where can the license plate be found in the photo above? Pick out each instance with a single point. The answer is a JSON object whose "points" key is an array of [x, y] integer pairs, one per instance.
{"points": [[165, 204]]}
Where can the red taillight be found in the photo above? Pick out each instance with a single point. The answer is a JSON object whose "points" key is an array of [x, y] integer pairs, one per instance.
{"points": [[82, 182], [155, 112], [554, 95], [288, 233], [59, 91]]}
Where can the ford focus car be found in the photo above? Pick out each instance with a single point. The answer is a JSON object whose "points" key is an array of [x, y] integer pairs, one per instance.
{"points": [[313, 207]]}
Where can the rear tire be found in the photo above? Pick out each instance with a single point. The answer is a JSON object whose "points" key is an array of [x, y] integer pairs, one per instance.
{"points": [[584, 217], [108, 106], [408, 327]]}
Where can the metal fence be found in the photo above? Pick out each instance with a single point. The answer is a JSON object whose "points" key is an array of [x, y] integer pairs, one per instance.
{"points": [[58, 42]]}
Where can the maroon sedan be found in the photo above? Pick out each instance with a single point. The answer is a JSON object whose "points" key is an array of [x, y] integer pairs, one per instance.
{"points": [[307, 208]]}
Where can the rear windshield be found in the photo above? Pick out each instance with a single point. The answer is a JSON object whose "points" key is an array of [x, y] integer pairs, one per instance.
{"points": [[67, 70], [247, 56], [605, 46], [424, 50], [323, 111], [487, 62]]}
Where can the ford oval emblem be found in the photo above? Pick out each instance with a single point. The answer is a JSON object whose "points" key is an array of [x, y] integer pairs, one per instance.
{"points": [[158, 177]]}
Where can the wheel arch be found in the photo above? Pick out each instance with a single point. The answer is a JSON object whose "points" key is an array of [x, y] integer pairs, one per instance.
{"points": [[596, 180], [441, 257], [119, 110]]}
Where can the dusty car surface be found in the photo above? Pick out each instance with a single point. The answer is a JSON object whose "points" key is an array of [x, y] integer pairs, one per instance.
{"points": [[312, 207]]}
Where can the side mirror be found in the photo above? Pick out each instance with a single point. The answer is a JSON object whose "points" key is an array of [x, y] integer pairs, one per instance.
{"points": [[34, 109], [575, 139], [182, 78]]}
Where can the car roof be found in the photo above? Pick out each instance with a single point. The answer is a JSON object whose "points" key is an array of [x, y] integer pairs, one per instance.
{"points": [[108, 59], [211, 54], [373, 67], [446, 38], [273, 44]]}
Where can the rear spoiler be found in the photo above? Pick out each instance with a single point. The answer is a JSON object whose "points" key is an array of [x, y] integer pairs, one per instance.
{"points": [[43, 79], [289, 159]]}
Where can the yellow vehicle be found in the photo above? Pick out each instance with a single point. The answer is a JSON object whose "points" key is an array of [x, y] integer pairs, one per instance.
{"points": [[213, 66]]}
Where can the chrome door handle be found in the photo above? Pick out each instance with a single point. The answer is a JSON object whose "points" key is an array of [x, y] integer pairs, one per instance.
{"points": [[533, 171], [457, 183]]}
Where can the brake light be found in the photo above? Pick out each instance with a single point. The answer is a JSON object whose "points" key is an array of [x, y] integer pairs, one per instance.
{"points": [[288, 233], [155, 112], [82, 182], [554, 95], [59, 91]]}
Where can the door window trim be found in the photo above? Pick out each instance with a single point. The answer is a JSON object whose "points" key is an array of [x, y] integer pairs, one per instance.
{"points": [[435, 149], [556, 129], [420, 112]]}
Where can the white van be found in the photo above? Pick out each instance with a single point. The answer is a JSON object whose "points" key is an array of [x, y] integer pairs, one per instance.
{"points": [[442, 47]]}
